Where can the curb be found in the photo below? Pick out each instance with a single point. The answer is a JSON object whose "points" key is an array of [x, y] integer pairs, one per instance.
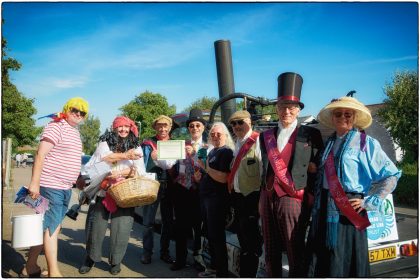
{"points": [[406, 212]]}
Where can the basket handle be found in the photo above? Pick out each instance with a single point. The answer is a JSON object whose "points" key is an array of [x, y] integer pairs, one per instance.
{"points": [[132, 169]]}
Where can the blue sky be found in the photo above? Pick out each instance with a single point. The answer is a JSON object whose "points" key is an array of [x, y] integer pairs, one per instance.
{"points": [[110, 52]]}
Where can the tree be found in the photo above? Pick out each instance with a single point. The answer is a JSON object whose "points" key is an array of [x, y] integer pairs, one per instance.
{"points": [[205, 103], [400, 113], [17, 110], [144, 108], [89, 132]]}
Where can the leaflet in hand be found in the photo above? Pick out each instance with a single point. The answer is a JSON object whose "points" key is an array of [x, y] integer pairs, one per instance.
{"points": [[40, 204]]}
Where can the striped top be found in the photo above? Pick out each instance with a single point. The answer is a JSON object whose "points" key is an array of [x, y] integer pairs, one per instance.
{"points": [[62, 164]]}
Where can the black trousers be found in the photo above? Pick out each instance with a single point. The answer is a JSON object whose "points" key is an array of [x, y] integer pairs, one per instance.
{"points": [[249, 235], [348, 259], [188, 217], [214, 208]]}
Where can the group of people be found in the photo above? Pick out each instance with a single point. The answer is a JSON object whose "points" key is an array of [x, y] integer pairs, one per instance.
{"points": [[21, 160], [309, 199]]}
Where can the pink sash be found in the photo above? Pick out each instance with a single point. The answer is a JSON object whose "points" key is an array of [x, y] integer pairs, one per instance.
{"points": [[279, 162], [340, 197]]}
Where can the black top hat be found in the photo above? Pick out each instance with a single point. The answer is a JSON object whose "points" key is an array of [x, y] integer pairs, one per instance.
{"points": [[289, 88], [196, 115]]}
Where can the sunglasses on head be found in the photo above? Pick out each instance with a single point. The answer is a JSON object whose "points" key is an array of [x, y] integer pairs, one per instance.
{"points": [[215, 134], [239, 122], [347, 115], [194, 125], [75, 111]]}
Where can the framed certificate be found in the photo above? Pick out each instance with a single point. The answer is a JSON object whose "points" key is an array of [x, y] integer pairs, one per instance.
{"points": [[171, 149]]}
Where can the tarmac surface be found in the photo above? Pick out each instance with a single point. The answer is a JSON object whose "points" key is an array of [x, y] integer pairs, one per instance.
{"points": [[71, 244]]}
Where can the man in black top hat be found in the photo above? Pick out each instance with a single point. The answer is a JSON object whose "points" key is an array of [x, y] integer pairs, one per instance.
{"points": [[186, 198], [290, 155]]}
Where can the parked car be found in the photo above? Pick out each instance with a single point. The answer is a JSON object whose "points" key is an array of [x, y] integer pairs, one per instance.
{"points": [[30, 160]]}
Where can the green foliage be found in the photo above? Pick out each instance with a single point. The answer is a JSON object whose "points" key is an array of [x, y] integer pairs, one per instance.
{"points": [[7, 63], [17, 110], [204, 103], [180, 133], [89, 132], [407, 191], [144, 108], [400, 113]]}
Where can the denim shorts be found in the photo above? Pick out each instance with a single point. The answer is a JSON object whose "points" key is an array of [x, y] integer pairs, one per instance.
{"points": [[58, 204]]}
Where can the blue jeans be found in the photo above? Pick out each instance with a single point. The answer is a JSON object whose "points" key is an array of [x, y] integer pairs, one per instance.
{"points": [[58, 204], [149, 215]]}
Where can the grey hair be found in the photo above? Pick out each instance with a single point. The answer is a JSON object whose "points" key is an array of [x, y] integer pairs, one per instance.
{"points": [[229, 140]]}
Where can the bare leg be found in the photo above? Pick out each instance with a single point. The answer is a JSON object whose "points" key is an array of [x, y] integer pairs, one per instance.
{"points": [[50, 245], [31, 264]]}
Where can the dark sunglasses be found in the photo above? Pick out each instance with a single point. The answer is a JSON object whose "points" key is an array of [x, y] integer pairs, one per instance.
{"points": [[75, 111], [194, 125], [340, 114], [234, 123], [215, 134]]}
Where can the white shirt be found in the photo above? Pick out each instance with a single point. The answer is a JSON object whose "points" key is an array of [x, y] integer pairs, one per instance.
{"points": [[284, 135], [102, 151]]}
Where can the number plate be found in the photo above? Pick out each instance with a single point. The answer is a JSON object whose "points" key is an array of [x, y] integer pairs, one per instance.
{"points": [[381, 254]]}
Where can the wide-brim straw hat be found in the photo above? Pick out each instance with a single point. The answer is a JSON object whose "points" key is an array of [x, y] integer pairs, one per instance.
{"points": [[362, 120]]}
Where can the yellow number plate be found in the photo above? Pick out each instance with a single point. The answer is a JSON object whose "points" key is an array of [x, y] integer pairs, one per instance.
{"points": [[381, 254]]}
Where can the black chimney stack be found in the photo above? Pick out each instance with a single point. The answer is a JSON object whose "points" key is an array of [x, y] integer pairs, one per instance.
{"points": [[225, 77]]}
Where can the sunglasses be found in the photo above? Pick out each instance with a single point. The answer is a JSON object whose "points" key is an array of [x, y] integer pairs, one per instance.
{"points": [[194, 125], [234, 123], [340, 114], [216, 134], [75, 111]]}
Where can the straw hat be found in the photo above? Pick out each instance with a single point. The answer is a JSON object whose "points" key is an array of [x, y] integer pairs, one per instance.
{"points": [[362, 120]]}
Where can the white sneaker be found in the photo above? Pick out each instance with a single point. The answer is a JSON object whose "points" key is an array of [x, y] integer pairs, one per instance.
{"points": [[208, 273]]}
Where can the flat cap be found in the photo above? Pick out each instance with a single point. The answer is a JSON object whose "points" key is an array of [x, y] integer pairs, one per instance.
{"points": [[240, 115]]}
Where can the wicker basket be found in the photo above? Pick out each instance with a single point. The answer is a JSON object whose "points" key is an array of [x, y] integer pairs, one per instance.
{"points": [[137, 191]]}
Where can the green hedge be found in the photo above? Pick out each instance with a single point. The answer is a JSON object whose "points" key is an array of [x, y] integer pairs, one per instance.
{"points": [[407, 191]]}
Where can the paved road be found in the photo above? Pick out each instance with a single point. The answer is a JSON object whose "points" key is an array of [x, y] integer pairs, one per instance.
{"points": [[72, 252], [71, 245]]}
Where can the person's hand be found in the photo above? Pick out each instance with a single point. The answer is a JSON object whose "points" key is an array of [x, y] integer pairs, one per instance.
{"points": [[154, 155], [189, 150], [114, 175], [132, 154], [312, 167], [33, 190], [197, 176], [356, 203]]}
